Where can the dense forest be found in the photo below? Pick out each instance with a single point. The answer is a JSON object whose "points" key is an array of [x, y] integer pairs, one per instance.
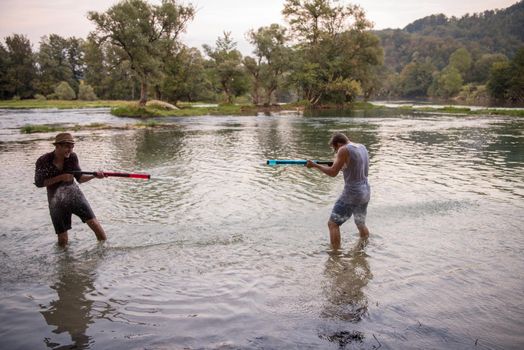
{"points": [[326, 54], [473, 59]]}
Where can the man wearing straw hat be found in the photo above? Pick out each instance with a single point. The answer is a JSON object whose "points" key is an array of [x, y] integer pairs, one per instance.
{"points": [[52, 170]]}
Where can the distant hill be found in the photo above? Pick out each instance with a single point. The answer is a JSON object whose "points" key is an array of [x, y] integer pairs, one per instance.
{"points": [[435, 37]]}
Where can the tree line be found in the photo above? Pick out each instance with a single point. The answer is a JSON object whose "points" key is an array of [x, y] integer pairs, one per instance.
{"points": [[325, 54], [475, 59]]}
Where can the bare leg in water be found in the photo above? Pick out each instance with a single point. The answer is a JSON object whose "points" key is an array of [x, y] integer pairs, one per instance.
{"points": [[62, 239], [334, 233], [97, 229]]}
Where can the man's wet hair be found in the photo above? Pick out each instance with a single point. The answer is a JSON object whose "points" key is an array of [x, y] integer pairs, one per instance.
{"points": [[338, 137]]}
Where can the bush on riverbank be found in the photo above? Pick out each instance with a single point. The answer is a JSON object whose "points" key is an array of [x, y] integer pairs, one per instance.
{"points": [[64, 91], [33, 128], [136, 111]]}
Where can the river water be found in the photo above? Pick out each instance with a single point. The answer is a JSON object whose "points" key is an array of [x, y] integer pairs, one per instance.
{"points": [[219, 251]]}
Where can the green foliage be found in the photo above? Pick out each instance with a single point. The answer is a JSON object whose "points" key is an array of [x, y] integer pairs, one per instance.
{"points": [[31, 129], [143, 34], [186, 78], [490, 31], [59, 104], [86, 93], [59, 59], [415, 79], [481, 68], [446, 83], [498, 83], [471, 44], [506, 82], [516, 83], [461, 60], [135, 111], [227, 71], [272, 61], [17, 70], [343, 90], [474, 94], [333, 50], [64, 92], [40, 97]]}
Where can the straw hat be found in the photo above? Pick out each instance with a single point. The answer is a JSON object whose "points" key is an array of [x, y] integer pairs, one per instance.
{"points": [[64, 137]]}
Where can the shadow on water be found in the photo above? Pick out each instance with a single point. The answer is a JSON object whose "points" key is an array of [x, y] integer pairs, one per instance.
{"points": [[346, 277], [72, 311]]}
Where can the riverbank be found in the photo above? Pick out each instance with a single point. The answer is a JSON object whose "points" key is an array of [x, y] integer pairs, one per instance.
{"points": [[43, 128], [131, 109]]}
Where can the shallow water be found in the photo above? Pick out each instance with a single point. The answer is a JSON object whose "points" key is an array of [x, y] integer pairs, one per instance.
{"points": [[222, 252]]}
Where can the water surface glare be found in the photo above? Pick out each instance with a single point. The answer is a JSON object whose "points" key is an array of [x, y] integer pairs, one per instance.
{"points": [[219, 251]]}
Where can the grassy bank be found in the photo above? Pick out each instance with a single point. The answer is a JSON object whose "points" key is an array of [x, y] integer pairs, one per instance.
{"points": [[44, 128], [131, 109]]}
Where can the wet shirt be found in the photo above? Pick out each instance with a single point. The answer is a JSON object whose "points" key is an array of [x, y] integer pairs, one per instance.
{"points": [[45, 169], [356, 188]]}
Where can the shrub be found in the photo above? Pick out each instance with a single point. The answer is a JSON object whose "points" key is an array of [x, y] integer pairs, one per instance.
{"points": [[64, 91], [86, 93], [135, 111], [40, 97]]}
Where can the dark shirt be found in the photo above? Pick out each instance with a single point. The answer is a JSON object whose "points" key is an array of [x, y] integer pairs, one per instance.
{"points": [[45, 169]]}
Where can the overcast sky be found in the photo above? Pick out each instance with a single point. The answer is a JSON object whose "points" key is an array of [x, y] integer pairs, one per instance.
{"points": [[36, 18]]}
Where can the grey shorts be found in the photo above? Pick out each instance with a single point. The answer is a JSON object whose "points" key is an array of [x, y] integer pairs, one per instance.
{"points": [[342, 211], [64, 205]]}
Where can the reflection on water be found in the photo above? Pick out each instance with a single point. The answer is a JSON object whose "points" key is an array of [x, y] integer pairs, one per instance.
{"points": [[344, 288], [347, 275], [72, 310]]}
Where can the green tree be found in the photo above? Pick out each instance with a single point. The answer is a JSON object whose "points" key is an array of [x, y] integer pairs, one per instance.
{"points": [[185, 77], [272, 58], [335, 53], [96, 69], [110, 77], [4, 68], [75, 58], [498, 83], [59, 59], [446, 83], [482, 67], [254, 68], [143, 34], [506, 82], [461, 60], [19, 67], [516, 82], [226, 64], [415, 79]]}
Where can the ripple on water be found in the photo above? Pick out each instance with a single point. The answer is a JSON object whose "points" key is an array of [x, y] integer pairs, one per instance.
{"points": [[221, 242]]}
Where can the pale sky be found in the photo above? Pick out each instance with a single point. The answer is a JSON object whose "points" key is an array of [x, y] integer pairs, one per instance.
{"points": [[36, 18]]}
